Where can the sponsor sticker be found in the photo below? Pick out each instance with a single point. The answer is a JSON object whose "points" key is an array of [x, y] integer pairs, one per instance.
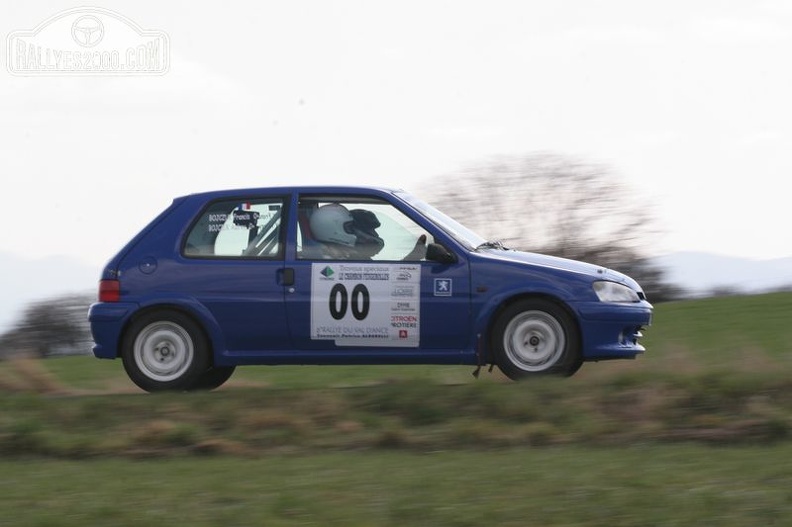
{"points": [[361, 304]]}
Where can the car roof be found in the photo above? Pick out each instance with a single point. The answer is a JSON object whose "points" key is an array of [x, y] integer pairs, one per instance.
{"points": [[304, 189]]}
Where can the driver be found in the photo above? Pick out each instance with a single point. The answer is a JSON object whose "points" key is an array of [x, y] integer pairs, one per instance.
{"points": [[345, 234]]}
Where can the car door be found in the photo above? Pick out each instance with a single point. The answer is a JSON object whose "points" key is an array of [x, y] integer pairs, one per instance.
{"points": [[234, 256], [350, 295]]}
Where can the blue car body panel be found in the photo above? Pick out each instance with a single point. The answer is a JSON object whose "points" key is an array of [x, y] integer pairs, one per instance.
{"points": [[259, 311]]}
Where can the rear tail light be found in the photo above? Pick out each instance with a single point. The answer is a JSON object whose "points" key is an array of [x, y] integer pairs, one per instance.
{"points": [[109, 291]]}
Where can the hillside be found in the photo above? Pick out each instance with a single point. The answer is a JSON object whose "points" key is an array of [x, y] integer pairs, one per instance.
{"points": [[716, 332], [702, 272]]}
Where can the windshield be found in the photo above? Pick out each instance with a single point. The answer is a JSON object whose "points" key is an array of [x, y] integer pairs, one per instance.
{"points": [[450, 226]]}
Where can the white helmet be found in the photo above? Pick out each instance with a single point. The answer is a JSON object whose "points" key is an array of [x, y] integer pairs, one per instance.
{"points": [[333, 223]]}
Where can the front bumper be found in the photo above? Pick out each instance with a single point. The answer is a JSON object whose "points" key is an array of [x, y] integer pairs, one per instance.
{"points": [[613, 330]]}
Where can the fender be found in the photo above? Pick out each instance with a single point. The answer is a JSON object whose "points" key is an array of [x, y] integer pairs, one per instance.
{"points": [[494, 286], [192, 307], [488, 312]]}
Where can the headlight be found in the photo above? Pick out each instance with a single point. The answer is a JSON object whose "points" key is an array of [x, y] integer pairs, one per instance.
{"points": [[613, 292]]}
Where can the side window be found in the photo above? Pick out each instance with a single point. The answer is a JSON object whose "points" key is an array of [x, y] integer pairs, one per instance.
{"points": [[238, 229], [349, 228]]}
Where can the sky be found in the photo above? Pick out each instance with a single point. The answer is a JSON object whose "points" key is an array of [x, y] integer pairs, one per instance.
{"points": [[688, 102]]}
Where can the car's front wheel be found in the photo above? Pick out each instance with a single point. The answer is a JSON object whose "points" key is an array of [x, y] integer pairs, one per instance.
{"points": [[165, 350], [536, 336]]}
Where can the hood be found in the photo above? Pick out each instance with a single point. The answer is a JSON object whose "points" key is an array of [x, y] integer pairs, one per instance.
{"points": [[553, 262]]}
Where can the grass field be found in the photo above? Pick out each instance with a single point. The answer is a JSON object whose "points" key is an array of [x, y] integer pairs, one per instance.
{"points": [[640, 485], [696, 432]]}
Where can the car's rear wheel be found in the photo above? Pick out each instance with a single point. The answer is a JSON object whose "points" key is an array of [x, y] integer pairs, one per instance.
{"points": [[534, 337], [165, 350]]}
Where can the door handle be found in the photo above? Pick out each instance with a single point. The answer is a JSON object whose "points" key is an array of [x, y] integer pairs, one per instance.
{"points": [[286, 276]]}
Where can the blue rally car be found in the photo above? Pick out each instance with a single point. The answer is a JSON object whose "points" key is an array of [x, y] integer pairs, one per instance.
{"points": [[342, 275]]}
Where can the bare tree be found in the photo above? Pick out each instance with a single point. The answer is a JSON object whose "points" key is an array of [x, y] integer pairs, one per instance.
{"points": [[559, 205], [54, 326]]}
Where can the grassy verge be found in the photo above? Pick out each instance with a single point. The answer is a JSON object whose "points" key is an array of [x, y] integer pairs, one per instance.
{"points": [[412, 415], [717, 372]]}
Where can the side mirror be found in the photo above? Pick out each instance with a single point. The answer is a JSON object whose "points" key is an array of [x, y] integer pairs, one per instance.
{"points": [[437, 253]]}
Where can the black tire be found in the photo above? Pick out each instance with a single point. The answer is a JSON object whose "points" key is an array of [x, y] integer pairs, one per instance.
{"points": [[536, 337], [165, 350], [213, 378]]}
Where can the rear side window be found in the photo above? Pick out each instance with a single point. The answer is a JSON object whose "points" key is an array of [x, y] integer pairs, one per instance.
{"points": [[238, 229]]}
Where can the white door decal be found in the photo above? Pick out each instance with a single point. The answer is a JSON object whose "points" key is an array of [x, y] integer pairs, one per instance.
{"points": [[363, 304]]}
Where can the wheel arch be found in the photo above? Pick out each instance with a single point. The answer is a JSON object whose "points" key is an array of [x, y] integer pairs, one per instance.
{"points": [[177, 307], [495, 313]]}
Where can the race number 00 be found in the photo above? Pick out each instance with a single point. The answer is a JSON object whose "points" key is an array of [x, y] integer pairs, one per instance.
{"points": [[339, 301]]}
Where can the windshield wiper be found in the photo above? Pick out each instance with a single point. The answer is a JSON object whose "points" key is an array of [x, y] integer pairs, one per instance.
{"points": [[494, 244]]}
